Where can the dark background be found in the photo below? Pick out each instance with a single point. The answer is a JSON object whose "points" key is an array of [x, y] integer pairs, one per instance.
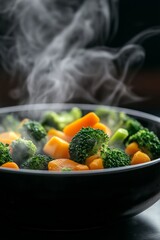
{"points": [[135, 16]]}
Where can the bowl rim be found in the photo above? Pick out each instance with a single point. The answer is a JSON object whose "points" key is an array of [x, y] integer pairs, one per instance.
{"points": [[83, 106]]}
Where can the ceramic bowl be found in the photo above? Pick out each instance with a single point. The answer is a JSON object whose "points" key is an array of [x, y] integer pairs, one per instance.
{"points": [[77, 200]]}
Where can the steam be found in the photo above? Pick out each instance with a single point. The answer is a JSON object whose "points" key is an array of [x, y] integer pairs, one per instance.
{"points": [[61, 49]]}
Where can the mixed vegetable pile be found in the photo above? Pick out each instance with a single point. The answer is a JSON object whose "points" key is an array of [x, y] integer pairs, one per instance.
{"points": [[73, 141]]}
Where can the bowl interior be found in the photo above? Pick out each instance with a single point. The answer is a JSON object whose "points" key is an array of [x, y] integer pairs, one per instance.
{"points": [[35, 112]]}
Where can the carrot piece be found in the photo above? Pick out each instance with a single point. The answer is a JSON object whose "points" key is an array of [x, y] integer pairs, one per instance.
{"points": [[10, 165], [80, 167], [102, 126], [64, 163], [140, 157], [57, 148], [90, 159], [132, 148], [89, 120], [8, 137], [54, 132], [96, 164]]}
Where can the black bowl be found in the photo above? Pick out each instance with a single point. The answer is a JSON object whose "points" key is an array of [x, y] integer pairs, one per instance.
{"points": [[77, 200]]}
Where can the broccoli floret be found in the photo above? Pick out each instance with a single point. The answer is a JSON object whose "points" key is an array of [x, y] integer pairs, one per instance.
{"points": [[10, 123], [115, 120], [34, 131], [118, 138], [4, 154], [22, 149], [132, 125], [115, 157], [87, 142], [147, 141], [60, 120], [37, 162]]}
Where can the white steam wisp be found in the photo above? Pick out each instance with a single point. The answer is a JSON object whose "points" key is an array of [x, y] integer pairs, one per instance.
{"points": [[60, 46]]}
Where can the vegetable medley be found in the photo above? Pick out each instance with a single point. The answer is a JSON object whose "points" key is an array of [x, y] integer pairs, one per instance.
{"points": [[73, 141]]}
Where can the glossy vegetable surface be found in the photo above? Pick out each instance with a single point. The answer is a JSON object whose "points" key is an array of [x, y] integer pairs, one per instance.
{"points": [[81, 136]]}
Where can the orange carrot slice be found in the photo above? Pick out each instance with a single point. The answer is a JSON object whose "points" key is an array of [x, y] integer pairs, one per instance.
{"points": [[57, 148], [10, 165], [8, 137], [96, 164], [80, 167], [89, 120], [63, 163], [90, 159], [140, 157], [132, 148], [103, 127], [54, 132]]}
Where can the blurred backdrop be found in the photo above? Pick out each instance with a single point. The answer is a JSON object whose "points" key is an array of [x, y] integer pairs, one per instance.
{"points": [[134, 17]]}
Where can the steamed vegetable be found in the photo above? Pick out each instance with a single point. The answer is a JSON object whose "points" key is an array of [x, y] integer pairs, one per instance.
{"points": [[132, 148], [87, 142], [34, 131], [147, 141], [118, 138], [140, 157], [73, 141], [8, 137], [51, 119], [64, 164], [4, 154], [96, 163], [22, 149], [115, 157], [116, 120], [57, 148], [104, 127], [89, 120], [36, 162], [10, 165]]}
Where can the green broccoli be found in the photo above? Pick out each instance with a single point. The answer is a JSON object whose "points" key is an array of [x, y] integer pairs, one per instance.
{"points": [[131, 124], [22, 149], [118, 138], [34, 131], [5, 155], [115, 157], [37, 162], [147, 141], [60, 120], [87, 142], [115, 120], [66, 169], [10, 123]]}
